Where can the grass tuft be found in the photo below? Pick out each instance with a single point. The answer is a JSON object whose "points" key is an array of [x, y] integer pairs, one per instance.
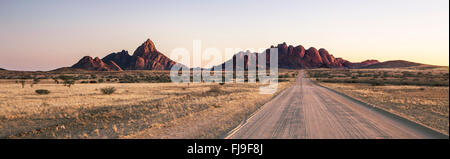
{"points": [[42, 91], [108, 90]]}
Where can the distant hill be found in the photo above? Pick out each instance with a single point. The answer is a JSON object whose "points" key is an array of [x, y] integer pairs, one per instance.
{"points": [[2, 69], [396, 64], [68, 70]]}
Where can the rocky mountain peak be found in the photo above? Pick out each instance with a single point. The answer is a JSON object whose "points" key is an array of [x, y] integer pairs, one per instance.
{"points": [[145, 57], [147, 47]]}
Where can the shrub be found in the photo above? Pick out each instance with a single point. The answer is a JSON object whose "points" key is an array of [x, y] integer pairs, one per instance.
{"points": [[36, 80], [108, 90], [215, 89], [128, 79], [42, 91], [284, 76], [101, 80], [92, 81], [377, 84]]}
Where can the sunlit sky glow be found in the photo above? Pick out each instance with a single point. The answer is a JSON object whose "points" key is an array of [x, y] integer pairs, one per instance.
{"points": [[45, 35]]}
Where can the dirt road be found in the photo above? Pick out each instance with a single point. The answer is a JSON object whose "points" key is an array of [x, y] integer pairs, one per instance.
{"points": [[306, 111]]}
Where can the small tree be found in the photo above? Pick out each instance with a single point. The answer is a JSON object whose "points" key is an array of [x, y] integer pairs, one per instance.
{"points": [[55, 80], [67, 80], [35, 81], [22, 81], [69, 83]]}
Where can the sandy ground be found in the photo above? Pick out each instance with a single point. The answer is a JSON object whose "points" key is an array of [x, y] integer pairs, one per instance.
{"points": [[306, 110], [135, 110]]}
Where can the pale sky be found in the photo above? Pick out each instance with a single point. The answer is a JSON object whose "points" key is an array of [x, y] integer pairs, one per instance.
{"points": [[45, 35]]}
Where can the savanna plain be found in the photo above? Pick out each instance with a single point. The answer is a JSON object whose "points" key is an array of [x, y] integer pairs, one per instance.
{"points": [[419, 94], [129, 104]]}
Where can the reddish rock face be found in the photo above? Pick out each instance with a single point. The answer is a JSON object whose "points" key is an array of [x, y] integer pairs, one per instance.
{"points": [[137, 64], [299, 51], [114, 66], [95, 64], [313, 58], [146, 57], [290, 57], [282, 49], [329, 59], [122, 59]]}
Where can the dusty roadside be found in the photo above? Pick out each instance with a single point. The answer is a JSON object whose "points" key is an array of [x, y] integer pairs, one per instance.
{"points": [[214, 122], [423, 104]]}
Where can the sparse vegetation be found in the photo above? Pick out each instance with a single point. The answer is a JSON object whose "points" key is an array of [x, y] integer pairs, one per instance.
{"points": [[22, 82], [418, 95], [55, 80], [108, 90], [42, 91], [36, 81], [215, 89], [376, 77], [142, 110], [68, 80]]}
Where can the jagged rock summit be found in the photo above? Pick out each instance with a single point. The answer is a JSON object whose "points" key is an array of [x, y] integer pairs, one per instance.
{"points": [[290, 57], [146, 57]]}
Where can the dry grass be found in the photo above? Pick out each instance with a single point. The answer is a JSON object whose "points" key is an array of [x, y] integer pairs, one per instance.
{"points": [[424, 104], [404, 76], [135, 110], [417, 93]]}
